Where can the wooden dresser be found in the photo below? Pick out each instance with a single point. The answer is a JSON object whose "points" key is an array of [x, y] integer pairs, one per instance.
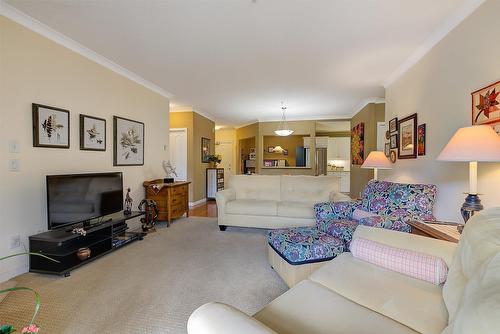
{"points": [[172, 198]]}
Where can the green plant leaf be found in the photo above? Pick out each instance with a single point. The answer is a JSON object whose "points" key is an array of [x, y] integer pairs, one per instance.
{"points": [[7, 329], [37, 299], [28, 253]]}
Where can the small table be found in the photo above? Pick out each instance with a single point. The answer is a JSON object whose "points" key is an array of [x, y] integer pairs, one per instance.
{"points": [[436, 230], [172, 198]]}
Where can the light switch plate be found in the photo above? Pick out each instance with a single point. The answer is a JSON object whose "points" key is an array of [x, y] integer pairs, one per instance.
{"points": [[14, 146], [14, 165]]}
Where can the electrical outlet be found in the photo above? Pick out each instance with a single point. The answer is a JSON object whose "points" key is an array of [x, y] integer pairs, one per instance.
{"points": [[15, 241], [14, 165]]}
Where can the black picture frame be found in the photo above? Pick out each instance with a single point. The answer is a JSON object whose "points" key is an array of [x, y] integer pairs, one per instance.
{"points": [[49, 132], [387, 149], [205, 149], [407, 137], [393, 141], [393, 125], [120, 153], [100, 136]]}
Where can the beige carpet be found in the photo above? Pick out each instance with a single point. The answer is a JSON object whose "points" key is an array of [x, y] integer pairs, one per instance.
{"points": [[152, 286]]}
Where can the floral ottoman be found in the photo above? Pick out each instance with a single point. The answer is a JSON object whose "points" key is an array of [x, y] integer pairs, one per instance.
{"points": [[295, 253]]}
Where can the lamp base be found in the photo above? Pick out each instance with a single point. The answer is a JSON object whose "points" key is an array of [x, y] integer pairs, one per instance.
{"points": [[471, 205]]}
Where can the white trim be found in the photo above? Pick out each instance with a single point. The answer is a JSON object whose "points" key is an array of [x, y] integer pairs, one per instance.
{"points": [[27, 21], [304, 118], [364, 103], [202, 113], [191, 204], [444, 29]]}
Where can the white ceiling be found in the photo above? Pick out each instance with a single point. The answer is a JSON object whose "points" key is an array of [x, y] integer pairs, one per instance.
{"points": [[237, 59]]}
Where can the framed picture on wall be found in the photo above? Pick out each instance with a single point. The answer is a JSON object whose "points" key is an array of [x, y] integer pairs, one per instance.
{"points": [[393, 125], [486, 106], [205, 149], [92, 133], [387, 149], [358, 144], [407, 135], [50, 126], [421, 139], [393, 141], [128, 142]]}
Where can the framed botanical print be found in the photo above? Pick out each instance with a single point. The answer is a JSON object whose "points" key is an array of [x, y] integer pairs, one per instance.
{"points": [[205, 149], [393, 125], [407, 134], [92, 133], [387, 149], [128, 142], [50, 126], [486, 106], [421, 139]]}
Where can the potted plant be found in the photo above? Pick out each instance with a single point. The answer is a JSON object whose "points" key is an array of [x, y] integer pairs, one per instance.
{"points": [[214, 159]]}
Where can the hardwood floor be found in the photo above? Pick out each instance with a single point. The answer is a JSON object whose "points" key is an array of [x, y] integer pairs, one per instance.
{"points": [[207, 209]]}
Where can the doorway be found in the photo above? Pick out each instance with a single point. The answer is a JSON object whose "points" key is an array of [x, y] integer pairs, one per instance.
{"points": [[178, 152], [226, 150]]}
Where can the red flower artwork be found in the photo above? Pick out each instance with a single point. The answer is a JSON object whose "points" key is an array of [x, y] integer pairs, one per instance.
{"points": [[487, 103]]}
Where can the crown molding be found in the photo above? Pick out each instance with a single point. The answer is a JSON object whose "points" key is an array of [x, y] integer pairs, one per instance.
{"points": [[27, 21], [444, 29], [365, 102], [188, 109]]}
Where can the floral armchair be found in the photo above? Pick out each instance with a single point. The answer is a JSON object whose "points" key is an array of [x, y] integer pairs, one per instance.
{"points": [[391, 205]]}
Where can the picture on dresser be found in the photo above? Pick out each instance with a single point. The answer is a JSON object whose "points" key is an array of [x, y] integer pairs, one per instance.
{"points": [[92, 133], [50, 126], [128, 142]]}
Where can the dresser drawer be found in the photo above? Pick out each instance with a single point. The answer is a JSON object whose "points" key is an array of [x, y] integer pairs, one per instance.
{"points": [[180, 190]]}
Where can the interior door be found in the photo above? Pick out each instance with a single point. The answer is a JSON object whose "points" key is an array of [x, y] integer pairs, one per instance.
{"points": [[226, 151], [178, 152]]}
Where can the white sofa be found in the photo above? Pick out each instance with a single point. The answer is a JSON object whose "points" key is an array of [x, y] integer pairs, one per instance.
{"points": [[274, 201], [348, 295]]}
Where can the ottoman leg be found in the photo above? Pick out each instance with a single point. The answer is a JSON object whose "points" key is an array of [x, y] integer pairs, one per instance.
{"points": [[222, 227]]}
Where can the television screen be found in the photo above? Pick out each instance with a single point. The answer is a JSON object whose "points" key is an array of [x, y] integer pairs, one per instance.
{"points": [[78, 198]]}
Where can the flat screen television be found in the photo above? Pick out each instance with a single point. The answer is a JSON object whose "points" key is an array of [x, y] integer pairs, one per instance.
{"points": [[78, 198]]}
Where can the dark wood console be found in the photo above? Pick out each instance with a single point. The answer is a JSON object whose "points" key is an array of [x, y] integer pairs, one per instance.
{"points": [[63, 245]]}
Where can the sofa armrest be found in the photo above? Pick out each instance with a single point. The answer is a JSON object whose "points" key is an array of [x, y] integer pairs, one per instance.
{"points": [[222, 197], [417, 243], [335, 210], [339, 197], [217, 318]]}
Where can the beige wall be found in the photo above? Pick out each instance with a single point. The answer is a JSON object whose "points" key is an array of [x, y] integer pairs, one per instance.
{"points": [[246, 132], [289, 143], [438, 88], [370, 115], [197, 127], [34, 69]]}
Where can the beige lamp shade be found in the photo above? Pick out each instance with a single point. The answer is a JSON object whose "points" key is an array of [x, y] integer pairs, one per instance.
{"points": [[473, 143], [377, 159]]}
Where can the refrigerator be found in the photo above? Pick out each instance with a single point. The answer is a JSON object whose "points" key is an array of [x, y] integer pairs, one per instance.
{"points": [[321, 161]]}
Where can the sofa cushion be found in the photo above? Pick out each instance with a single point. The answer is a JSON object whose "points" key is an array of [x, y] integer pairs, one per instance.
{"points": [[412, 302], [299, 188], [296, 209], [301, 245], [263, 187], [312, 308], [418, 265], [479, 243], [253, 207]]}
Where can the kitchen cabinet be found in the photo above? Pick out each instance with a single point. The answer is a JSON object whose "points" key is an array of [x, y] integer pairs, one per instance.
{"points": [[339, 148], [345, 180]]}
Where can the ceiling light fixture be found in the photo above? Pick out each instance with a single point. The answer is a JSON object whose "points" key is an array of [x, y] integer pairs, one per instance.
{"points": [[283, 129]]}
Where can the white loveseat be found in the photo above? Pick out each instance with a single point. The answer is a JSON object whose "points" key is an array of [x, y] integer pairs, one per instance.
{"points": [[348, 295], [274, 201]]}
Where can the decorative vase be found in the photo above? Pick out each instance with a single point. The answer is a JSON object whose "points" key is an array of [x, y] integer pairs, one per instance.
{"points": [[83, 253]]}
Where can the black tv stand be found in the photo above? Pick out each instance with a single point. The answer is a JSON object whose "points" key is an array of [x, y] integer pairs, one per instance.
{"points": [[62, 244]]}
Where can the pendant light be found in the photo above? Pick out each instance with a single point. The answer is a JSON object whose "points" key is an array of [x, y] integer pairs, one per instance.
{"points": [[283, 129]]}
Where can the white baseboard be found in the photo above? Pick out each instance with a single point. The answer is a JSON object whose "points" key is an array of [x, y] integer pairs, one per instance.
{"points": [[203, 200]]}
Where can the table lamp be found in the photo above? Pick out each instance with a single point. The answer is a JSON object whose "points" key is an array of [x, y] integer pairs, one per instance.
{"points": [[473, 144], [376, 160]]}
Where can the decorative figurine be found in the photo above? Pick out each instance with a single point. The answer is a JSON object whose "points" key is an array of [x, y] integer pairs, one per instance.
{"points": [[128, 203], [169, 171], [150, 215]]}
